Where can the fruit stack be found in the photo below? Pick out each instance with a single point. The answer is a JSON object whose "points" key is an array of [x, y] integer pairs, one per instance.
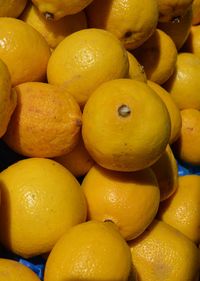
{"points": [[99, 140]]}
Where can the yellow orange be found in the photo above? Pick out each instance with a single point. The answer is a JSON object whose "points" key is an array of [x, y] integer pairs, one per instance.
{"points": [[178, 29], [11, 270], [174, 112], [89, 251], [53, 31], [84, 60], [12, 8], [78, 161], [46, 121], [18, 44], [54, 9], [136, 70], [186, 147], [192, 44], [166, 172], [152, 55], [184, 83], [113, 196], [172, 9], [162, 253], [182, 209], [196, 12], [41, 200], [126, 125], [8, 98], [128, 20]]}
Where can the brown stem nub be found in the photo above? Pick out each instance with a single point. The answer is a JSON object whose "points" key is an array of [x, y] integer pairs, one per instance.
{"points": [[176, 19], [124, 110], [48, 16]]}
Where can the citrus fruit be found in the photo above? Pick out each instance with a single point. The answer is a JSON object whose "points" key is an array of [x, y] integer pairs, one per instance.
{"points": [[128, 20], [162, 253], [184, 84], [152, 55], [172, 9], [89, 251], [18, 44], [130, 200], [46, 121], [84, 60], [192, 44], [11, 270], [12, 8], [186, 148], [182, 209], [178, 29], [196, 12], [136, 70], [53, 31], [40, 200], [126, 126], [56, 9], [8, 98], [166, 172], [78, 161], [174, 112]]}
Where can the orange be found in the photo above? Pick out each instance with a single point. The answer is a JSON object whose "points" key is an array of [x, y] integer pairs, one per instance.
{"points": [[162, 253], [46, 121], [184, 84], [178, 29], [55, 9], [186, 147], [126, 126], [166, 172], [182, 209], [53, 31], [172, 9], [11, 270], [130, 200], [192, 44], [196, 12], [89, 251], [136, 70], [78, 161], [152, 55], [174, 112], [41, 200], [128, 20], [86, 59], [12, 8], [8, 98], [18, 44]]}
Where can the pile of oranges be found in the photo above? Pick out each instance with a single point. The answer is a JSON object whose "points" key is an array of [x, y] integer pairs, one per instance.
{"points": [[100, 99]]}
